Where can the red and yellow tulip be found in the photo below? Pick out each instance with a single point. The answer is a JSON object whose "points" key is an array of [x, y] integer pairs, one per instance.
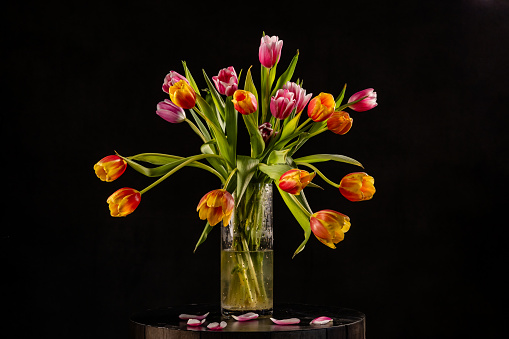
{"points": [[110, 168], [321, 107], [216, 206], [329, 226], [123, 202], [244, 102], [182, 94], [294, 180], [357, 186], [339, 122]]}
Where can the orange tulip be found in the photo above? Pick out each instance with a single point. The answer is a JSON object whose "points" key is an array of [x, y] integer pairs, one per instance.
{"points": [[357, 186], [215, 206], [124, 201], [339, 122], [294, 180], [321, 107], [182, 94], [244, 102], [329, 226], [110, 168]]}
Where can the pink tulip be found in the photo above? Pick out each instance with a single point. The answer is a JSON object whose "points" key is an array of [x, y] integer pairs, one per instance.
{"points": [[299, 94], [171, 79], [170, 112], [226, 81], [365, 104], [282, 104], [270, 51]]}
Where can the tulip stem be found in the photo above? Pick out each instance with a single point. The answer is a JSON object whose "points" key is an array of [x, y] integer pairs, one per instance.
{"points": [[185, 163], [318, 132], [229, 178], [196, 130], [332, 183], [303, 124], [305, 210]]}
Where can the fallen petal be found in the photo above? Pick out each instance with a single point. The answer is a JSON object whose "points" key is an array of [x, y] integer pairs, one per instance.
{"points": [[320, 321], [246, 316], [291, 321], [192, 316], [195, 322], [216, 326]]}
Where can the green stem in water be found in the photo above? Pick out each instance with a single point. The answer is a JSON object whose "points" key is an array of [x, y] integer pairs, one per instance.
{"points": [[319, 173], [185, 163]]}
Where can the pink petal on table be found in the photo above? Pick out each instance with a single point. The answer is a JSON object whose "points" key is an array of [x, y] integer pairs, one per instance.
{"points": [[246, 316], [291, 321], [320, 321], [195, 322], [216, 326], [192, 316]]}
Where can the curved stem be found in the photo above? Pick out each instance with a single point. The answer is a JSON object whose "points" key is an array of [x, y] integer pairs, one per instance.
{"points": [[185, 163], [303, 125], [305, 210], [196, 130], [318, 172], [318, 132]]}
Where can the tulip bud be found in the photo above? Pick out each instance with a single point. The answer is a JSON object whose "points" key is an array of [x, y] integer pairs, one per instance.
{"points": [[282, 104], [301, 99], [321, 107], [270, 51], [266, 131], [226, 81], [365, 104], [110, 168], [329, 226], [215, 206], [171, 79], [123, 202], [357, 186], [244, 102], [170, 112], [295, 180], [182, 94], [339, 122]]}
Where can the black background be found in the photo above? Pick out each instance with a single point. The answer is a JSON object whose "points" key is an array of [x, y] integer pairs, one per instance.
{"points": [[425, 258]]}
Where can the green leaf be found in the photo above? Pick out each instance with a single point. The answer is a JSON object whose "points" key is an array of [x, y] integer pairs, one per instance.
{"points": [[204, 235], [231, 117], [201, 126], [250, 86], [278, 157], [290, 127], [218, 165], [255, 138], [155, 158], [216, 97], [274, 171], [301, 217], [339, 99], [326, 157], [246, 168], [154, 171], [287, 75], [190, 78], [350, 103]]}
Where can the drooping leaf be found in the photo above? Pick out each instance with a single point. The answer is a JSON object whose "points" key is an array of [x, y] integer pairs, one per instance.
{"points": [[278, 157], [301, 217], [326, 157], [204, 235], [274, 171]]}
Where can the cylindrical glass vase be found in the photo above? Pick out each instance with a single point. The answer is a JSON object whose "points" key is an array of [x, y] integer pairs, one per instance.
{"points": [[247, 254]]}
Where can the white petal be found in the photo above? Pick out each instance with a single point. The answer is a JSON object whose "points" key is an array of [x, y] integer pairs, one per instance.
{"points": [[246, 316], [195, 322], [216, 326], [290, 321]]}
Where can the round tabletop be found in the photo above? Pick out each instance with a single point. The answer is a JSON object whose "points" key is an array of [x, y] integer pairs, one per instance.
{"points": [[165, 323]]}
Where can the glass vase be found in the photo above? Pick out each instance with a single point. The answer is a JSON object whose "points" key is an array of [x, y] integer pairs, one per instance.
{"points": [[247, 254]]}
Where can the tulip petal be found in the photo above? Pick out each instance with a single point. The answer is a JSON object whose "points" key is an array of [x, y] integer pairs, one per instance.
{"points": [[195, 322], [320, 321], [290, 321], [215, 326], [246, 316], [192, 316]]}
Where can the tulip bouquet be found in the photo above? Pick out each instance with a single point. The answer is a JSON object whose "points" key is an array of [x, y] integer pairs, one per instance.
{"points": [[272, 115]]}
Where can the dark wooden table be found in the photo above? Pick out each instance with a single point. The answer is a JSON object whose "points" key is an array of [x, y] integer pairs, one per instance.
{"points": [[164, 323]]}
